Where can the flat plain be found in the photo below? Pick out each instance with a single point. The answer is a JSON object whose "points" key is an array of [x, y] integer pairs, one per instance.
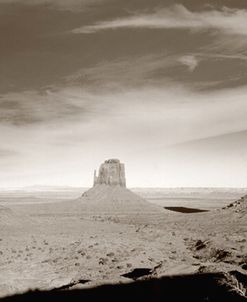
{"points": [[48, 240]]}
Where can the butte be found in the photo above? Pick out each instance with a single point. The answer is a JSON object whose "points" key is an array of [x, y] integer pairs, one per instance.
{"points": [[110, 195]]}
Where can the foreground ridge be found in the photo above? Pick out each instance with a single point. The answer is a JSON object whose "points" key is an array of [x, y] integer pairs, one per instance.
{"points": [[198, 287]]}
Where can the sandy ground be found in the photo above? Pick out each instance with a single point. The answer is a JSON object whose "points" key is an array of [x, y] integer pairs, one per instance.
{"points": [[45, 245]]}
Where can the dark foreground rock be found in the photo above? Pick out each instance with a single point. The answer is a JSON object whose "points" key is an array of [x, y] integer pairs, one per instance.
{"points": [[198, 287]]}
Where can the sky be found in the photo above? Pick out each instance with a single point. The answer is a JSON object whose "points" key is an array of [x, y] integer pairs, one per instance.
{"points": [[161, 85]]}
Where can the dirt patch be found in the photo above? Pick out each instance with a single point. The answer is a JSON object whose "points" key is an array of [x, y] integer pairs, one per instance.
{"points": [[71, 284]]}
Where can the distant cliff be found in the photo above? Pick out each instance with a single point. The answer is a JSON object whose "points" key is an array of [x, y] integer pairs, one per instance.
{"points": [[112, 173]]}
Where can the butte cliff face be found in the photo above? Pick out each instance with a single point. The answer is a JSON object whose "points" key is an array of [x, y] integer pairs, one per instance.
{"points": [[111, 172]]}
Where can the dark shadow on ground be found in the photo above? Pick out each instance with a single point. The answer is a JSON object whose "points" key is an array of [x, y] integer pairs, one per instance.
{"points": [[213, 287], [137, 273], [185, 210]]}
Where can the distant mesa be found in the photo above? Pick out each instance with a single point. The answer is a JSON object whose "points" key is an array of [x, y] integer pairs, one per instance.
{"points": [[111, 172]]}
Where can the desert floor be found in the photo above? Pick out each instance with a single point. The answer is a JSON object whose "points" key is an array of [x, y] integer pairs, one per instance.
{"points": [[46, 242]]}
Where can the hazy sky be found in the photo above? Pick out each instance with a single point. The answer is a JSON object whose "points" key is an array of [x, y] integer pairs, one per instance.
{"points": [[161, 85]]}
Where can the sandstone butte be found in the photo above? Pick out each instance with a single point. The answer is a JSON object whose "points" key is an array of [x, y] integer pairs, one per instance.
{"points": [[109, 192]]}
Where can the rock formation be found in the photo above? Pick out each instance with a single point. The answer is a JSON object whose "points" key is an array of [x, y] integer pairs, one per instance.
{"points": [[111, 172], [110, 195], [239, 205]]}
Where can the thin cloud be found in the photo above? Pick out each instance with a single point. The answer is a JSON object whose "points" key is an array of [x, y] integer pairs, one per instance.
{"points": [[226, 20], [32, 107], [126, 71], [190, 61], [162, 70], [221, 56], [60, 4]]}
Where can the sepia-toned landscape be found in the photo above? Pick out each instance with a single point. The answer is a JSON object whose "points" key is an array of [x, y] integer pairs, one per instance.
{"points": [[54, 238], [123, 138]]}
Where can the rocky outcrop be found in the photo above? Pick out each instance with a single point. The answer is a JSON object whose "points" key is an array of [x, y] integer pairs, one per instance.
{"points": [[239, 205], [111, 172]]}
